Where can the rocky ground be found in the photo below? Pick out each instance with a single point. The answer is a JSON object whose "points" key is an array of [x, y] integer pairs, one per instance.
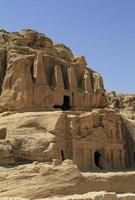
{"points": [[41, 180], [86, 196], [27, 139]]}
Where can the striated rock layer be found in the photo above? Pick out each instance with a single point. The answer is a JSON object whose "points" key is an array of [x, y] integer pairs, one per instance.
{"points": [[37, 74]]}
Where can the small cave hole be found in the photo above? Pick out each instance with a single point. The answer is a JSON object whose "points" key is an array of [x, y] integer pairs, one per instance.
{"points": [[66, 103], [62, 155], [97, 157]]}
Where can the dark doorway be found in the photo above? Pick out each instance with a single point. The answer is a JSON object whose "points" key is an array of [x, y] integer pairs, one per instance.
{"points": [[134, 156], [97, 157], [66, 103], [62, 155]]}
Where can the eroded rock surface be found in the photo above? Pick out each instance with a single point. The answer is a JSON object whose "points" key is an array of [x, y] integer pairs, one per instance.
{"points": [[124, 103], [43, 150], [87, 196], [42, 180], [96, 196], [93, 140], [36, 73]]}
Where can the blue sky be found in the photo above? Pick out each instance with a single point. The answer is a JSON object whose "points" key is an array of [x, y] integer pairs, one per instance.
{"points": [[102, 30]]}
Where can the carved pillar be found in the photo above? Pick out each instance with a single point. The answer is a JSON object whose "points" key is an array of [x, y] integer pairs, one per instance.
{"points": [[58, 77], [98, 83], [119, 158], [93, 162], [87, 82], [114, 134], [78, 157], [74, 153], [123, 158], [86, 159], [81, 160], [114, 159], [108, 156], [41, 89], [120, 131], [72, 78], [39, 70], [90, 158]]}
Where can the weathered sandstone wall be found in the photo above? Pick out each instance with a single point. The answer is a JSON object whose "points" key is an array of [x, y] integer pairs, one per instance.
{"points": [[36, 73], [96, 139], [45, 151]]}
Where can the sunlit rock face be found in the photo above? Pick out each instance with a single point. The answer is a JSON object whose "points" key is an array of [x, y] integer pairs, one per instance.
{"points": [[57, 123], [93, 140], [36, 74], [124, 103]]}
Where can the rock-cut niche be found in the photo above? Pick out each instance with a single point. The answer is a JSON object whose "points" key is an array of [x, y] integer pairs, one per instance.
{"points": [[65, 105], [97, 159]]}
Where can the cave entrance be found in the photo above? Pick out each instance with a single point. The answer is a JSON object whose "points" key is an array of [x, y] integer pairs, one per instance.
{"points": [[97, 157], [66, 103], [62, 155]]}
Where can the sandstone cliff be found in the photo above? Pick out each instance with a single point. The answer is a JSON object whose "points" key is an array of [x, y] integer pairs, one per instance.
{"points": [[58, 128], [36, 73]]}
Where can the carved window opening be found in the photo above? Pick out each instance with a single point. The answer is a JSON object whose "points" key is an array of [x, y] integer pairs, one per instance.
{"points": [[62, 155], [97, 157]]}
